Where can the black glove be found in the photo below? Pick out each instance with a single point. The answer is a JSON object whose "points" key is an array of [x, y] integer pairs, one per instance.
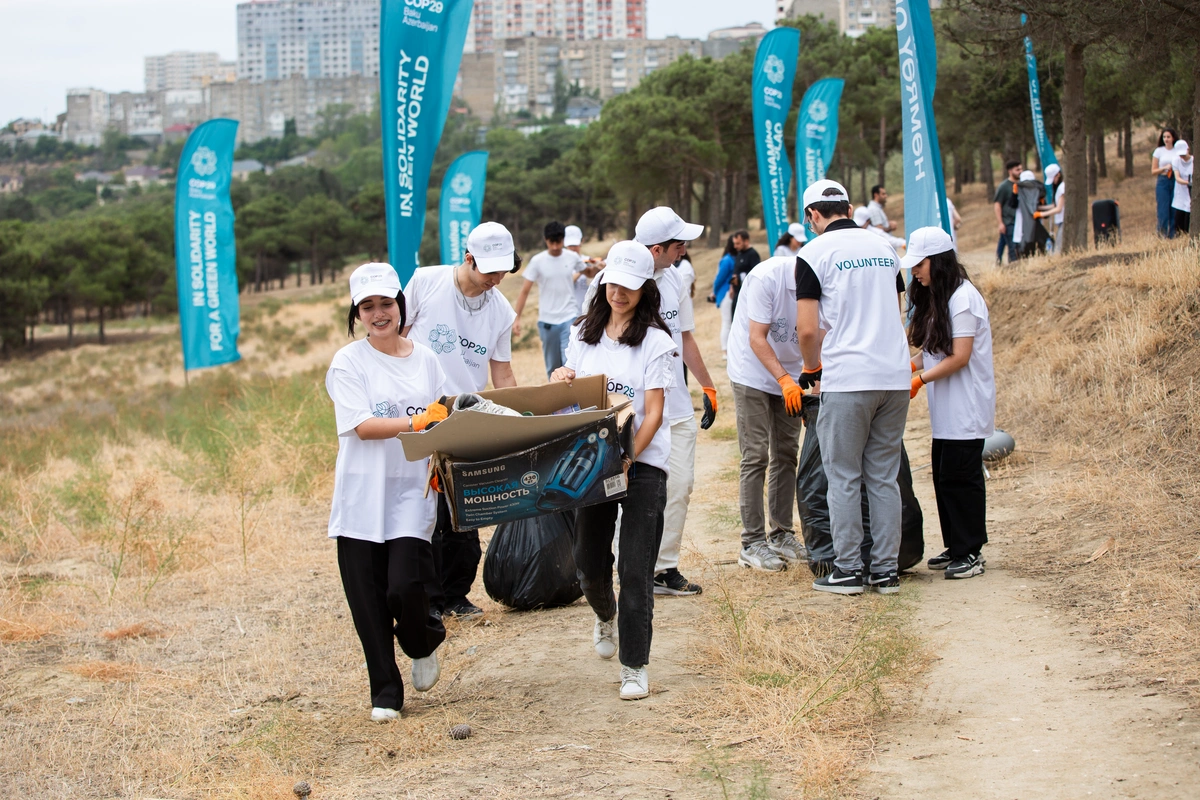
{"points": [[809, 378], [710, 409]]}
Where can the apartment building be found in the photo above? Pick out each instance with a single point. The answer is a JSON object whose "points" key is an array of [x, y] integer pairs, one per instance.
{"points": [[184, 70], [279, 39]]}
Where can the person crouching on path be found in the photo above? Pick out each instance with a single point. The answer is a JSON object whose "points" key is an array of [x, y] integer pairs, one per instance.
{"points": [[381, 518], [764, 362], [458, 313], [847, 280], [623, 337], [951, 329]]}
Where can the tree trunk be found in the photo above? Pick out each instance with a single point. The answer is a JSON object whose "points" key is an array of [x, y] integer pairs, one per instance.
{"points": [[957, 173], [1075, 217], [727, 193], [70, 327], [100, 317], [1091, 173], [741, 211], [985, 168], [882, 150], [632, 217], [1195, 126], [258, 272], [712, 197], [1101, 162], [862, 185], [1129, 139], [1120, 139]]}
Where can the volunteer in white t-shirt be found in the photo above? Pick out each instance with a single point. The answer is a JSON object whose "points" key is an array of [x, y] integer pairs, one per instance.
{"points": [[553, 270], [381, 518], [764, 361], [1164, 188], [862, 218], [458, 313], [587, 268], [1183, 167], [1053, 212], [951, 329], [623, 337], [847, 281], [791, 241]]}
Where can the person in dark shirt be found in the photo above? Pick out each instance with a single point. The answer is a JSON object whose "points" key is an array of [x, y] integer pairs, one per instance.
{"points": [[745, 259], [1005, 206]]}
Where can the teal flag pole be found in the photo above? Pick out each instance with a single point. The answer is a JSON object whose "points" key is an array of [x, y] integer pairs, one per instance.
{"points": [[1044, 147], [461, 205], [816, 133], [924, 184], [774, 71], [205, 252], [420, 49]]}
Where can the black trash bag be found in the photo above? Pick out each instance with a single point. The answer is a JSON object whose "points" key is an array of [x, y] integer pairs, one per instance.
{"points": [[530, 563], [812, 486]]}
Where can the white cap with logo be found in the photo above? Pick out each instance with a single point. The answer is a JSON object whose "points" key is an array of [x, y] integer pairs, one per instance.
{"points": [[923, 243], [661, 224], [573, 236], [796, 229], [374, 279], [491, 245], [1052, 171], [816, 193], [629, 264]]}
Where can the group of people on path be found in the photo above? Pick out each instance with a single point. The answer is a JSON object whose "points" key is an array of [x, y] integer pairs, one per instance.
{"points": [[825, 317], [1172, 163]]}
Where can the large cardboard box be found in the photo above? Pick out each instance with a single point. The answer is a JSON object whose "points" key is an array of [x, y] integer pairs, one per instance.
{"points": [[497, 468]]}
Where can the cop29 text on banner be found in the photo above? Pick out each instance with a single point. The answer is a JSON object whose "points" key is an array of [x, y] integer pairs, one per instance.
{"points": [[924, 184], [461, 204], [816, 132], [205, 254], [1044, 148], [420, 48], [774, 71]]}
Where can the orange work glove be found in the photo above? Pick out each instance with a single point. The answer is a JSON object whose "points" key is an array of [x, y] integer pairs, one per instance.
{"points": [[434, 412], [917, 383], [809, 377], [436, 483], [913, 366], [1037, 215], [710, 407], [792, 396]]}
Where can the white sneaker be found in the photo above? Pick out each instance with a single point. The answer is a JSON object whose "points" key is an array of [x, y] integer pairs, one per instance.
{"points": [[604, 637], [425, 672], [468, 401], [787, 546], [635, 683], [759, 556], [384, 714]]}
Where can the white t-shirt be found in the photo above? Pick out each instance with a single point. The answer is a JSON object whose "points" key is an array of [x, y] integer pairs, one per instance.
{"points": [[465, 333], [556, 290], [1165, 156], [963, 405], [1183, 192], [879, 217], [768, 296], [378, 495], [865, 348], [1059, 193], [783, 251], [630, 372], [581, 292]]}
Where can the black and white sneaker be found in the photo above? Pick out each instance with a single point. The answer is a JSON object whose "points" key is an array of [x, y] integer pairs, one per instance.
{"points": [[940, 562], [884, 582], [671, 581], [966, 567], [839, 582], [462, 608]]}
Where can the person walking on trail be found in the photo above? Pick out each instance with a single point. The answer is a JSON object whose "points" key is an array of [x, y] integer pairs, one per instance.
{"points": [[1183, 166], [847, 285], [1004, 204], [763, 366], [623, 337], [722, 293], [744, 260], [875, 208], [458, 312], [553, 271], [588, 266], [381, 516], [951, 330], [1161, 163]]}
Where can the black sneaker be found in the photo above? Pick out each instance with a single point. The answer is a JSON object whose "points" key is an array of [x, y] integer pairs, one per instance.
{"points": [[462, 608], [820, 568], [940, 562], [966, 567], [840, 582], [884, 582], [670, 581]]}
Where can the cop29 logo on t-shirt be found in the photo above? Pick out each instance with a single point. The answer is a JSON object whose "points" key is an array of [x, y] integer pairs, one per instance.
{"points": [[386, 410], [779, 331], [444, 339], [616, 387]]}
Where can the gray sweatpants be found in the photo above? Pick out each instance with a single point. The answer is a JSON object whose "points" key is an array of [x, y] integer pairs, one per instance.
{"points": [[860, 435]]}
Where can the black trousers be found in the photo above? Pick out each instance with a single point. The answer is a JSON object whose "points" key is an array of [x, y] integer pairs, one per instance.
{"points": [[640, 537], [456, 557], [387, 589], [961, 494], [1183, 221]]}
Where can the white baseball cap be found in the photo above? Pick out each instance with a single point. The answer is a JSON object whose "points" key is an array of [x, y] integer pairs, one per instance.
{"points": [[1027, 175], [629, 264], [796, 229], [1051, 172], [1180, 146], [491, 245], [373, 279], [923, 243], [862, 215], [816, 193], [573, 236], [661, 224]]}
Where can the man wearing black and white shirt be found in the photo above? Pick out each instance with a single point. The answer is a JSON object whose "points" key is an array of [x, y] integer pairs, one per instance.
{"points": [[458, 313], [847, 280]]}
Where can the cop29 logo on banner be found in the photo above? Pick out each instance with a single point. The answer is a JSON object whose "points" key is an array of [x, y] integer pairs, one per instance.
{"points": [[461, 183], [819, 111], [436, 6], [204, 161], [774, 69]]}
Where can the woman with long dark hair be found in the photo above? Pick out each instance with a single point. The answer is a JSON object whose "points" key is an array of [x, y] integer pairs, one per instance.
{"points": [[1164, 190], [623, 337], [951, 330], [723, 293]]}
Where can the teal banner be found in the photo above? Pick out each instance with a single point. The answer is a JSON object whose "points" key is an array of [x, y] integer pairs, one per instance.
{"points": [[816, 133], [205, 253], [420, 48], [461, 205], [774, 71], [924, 184], [1044, 147]]}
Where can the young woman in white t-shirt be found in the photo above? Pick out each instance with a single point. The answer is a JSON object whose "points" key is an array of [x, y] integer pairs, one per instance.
{"points": [[1164, 188], [381, 518], [623, 337], [951, 330]]}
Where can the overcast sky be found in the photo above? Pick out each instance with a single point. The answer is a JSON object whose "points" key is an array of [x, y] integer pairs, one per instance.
{"points": [[53, 45]]}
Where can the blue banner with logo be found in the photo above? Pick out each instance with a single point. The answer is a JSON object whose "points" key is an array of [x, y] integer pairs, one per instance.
{"points": [[774, 71], [816, 133], [420, 48], [1044, 147], [461, 205], [205, 254], [924, 184]]}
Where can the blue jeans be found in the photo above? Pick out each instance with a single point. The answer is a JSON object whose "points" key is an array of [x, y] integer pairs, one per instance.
{"points": [[1006, 243], [1164, 192], [554, 343]]}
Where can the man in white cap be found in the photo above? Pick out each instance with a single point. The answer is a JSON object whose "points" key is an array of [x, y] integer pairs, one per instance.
{"points": [[847, 285], [458, 313]]}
